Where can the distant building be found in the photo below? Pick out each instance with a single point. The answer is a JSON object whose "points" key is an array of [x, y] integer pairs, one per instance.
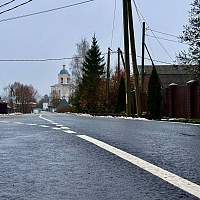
{"points": [[36, 110], [169, 74], [64, 88], [45, 106], [45, 102]]}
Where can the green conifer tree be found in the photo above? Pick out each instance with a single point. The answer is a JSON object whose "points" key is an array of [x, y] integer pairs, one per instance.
{"points": [[154, 95], [191, 35], [93, 70]]}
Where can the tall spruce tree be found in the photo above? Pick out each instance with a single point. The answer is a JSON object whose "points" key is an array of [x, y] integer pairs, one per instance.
{"points": [[93, 70], [191, 35], [154, 95]]}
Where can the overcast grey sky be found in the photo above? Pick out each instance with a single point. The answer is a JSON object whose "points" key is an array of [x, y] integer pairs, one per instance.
{"points": [[54, 35]]}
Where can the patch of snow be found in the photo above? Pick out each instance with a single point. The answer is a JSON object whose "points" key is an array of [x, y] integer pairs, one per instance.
{"points": [[10, 114], [18, 113], [82, 115], [172, 119], [133, 118], [109, 117], [164, 119]]}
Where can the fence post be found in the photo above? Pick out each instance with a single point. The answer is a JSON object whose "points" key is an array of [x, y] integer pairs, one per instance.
{"points": [[191, 98], [172, 99]]}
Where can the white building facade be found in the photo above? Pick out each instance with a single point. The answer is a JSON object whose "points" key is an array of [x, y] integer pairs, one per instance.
{"points": [[45, 106], [64, 88]]}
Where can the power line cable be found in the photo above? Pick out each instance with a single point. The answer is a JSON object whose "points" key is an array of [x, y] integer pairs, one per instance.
{"points": [[168, 34], [155, 60], [45, 11], [66, 58], [7, 3], [15, 7], [38, 60], [150, 47], [113, 24], [149, 55], [158, 61], [162, 38], [139, 14], [141, 19], [163, 47], [160, 43]]}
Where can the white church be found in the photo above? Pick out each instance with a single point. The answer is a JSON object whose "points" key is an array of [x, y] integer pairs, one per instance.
{"points": [[64, 88]]}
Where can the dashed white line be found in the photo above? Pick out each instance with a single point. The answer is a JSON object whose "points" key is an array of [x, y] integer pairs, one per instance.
{"points": [[20, 123], [69, 131], [45, 119], [58, 125], [5, 122], [44, 126], [65, 128], [167, 176], [54, 128]]}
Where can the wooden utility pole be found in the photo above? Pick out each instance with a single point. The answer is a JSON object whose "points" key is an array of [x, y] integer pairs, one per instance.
{"points": [[127, 60], [143, 52], [118, 64], [134, 59], [149, 55], [122, 57], [108, 78], [124, 65]]}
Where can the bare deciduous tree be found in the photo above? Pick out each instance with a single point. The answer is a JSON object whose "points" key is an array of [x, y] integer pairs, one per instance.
{"points": [[77, 62], [55, 99], [21, 96]]}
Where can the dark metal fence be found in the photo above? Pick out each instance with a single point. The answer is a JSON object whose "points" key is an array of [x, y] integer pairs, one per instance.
{"points": [[182, 101], [3, 108]]}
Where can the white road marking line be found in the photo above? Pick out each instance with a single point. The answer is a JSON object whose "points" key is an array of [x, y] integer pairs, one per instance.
{"points": [[44, 126], [65, 128], [56, 128], [19, 123], [167, 176], [54, 123], [45, 119], [69, 131], [5, 122]]}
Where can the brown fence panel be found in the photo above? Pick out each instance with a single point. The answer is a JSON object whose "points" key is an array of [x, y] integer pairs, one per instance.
{"points": [[182, 101]]}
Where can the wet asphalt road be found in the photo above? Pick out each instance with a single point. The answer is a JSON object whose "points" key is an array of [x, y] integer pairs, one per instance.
{"points": [[40, 161]]}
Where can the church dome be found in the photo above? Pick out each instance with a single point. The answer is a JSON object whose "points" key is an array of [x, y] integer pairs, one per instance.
{"points": [[64, 71]]}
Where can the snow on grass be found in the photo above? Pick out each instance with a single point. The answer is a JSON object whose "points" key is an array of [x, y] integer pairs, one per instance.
{"points": [[108, 117]]}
